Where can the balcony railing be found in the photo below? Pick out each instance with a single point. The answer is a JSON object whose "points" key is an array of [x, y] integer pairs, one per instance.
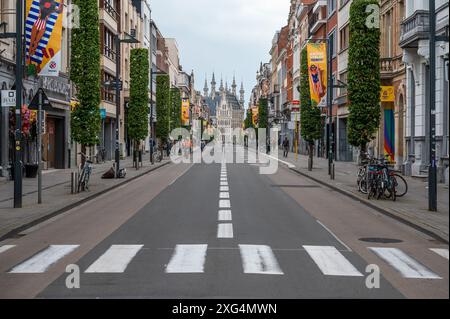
{"points": [[389, 66], [315, 22], [414, 28]]}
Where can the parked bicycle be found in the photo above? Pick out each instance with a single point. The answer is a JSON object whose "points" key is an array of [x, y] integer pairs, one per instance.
{"points": [[376, 179], [84, 173]]}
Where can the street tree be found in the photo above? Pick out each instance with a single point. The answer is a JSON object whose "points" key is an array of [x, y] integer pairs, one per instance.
{"points": [[310, 115], [85, 75], [138, 110], [163, 108], [363, 76], [175, 107]]}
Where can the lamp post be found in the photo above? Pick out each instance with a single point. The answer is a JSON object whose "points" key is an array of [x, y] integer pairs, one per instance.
{"points": [[117, 84]]}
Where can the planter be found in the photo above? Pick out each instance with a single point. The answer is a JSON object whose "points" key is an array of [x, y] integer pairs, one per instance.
{"points": [[31, 170]]}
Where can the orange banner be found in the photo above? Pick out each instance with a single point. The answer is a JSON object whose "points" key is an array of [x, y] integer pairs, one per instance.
{"points": [[317, 69]]}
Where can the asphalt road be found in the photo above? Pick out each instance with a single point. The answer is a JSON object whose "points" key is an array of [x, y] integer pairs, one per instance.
{"points": [[223, 231]]}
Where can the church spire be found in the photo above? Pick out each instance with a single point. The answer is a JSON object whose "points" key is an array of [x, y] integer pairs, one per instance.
{"points": [[205, 89], [234, 86], [242, 92], [213, 86], [221, 85]]}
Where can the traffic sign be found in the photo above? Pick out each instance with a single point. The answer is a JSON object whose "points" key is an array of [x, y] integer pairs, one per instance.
{"points": [[8, 98], [46, 105]]}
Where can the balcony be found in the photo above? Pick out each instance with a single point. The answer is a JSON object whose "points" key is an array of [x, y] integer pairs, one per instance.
{"points": [[414, 28], [316, 21], [389, 67]]}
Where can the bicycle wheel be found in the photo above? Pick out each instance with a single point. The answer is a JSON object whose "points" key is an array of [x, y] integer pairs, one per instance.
{"points": [[402, 185], [81, 181]]}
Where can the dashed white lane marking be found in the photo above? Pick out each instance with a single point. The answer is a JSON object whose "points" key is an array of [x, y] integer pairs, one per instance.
{"points": [[187, 259], [6, 247], [224, 188], [40, 262], [224, 195], [336, 237], [440, 251], [225, 215], [259, 259], [224, 203], [331, 262], [115, 259], [225, 231], [407, 266]]}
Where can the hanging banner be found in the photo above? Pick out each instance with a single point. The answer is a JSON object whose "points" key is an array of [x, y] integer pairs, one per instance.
{"points": [[317, 70], [389, 134], [43, 32], [255, 116], [387, 94], [185, 112]]}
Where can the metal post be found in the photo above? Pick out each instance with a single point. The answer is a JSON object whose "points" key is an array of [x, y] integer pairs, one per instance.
{"points": [[330, 108], [117, 151], [39, 145], [151, 110], [432, 173], [18, 134]]}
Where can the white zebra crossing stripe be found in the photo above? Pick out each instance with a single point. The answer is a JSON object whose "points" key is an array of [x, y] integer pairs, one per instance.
{"points": [[222, 183], [224, 188], [40, 262], [407, 266], [331, 262], [224, 195], [225, 215], [441, 252], [225, 231], [115, 259], [259, 259], [224, 203], [187, 259], [6, 247]]}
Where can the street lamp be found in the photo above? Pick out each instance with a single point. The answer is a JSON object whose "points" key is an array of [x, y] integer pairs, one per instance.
{"points": [[129, 38]]}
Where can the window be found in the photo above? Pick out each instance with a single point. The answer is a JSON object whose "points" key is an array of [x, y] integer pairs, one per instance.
{"points": [[343, 79], [333, 43], [108, 95], [344, 37], [109, 45], [331, 7]]}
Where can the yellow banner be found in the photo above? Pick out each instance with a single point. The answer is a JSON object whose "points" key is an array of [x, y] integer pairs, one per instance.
{"points": [[43, 32], [185, 112], [255, 113], [387, 94], [317, 70]]}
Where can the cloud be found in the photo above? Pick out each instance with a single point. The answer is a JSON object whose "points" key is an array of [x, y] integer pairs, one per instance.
{"points": [[226, 36]]}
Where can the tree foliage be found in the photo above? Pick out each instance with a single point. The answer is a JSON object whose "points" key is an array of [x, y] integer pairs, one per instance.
{"points": [[310, 117], [363, 76], [85, 74], [263, 120], [138, 111], [175, 107], [248, 122], [162, 106]]}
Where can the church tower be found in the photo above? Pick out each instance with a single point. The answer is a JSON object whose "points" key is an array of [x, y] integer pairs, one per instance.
{"points": [[234, 86], [242, 92], [205, 89], [213, 87]]}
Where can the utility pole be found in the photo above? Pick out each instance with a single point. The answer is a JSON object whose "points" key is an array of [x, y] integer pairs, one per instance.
{"points": [[432, 170], [117, 87], [18, 132], [39, 146]]}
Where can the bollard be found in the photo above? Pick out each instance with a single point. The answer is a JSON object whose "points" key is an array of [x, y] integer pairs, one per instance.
{"points": [[332, 171]]}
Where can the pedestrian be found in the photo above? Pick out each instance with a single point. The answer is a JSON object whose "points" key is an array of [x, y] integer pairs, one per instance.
{"points": [[285, 147]]}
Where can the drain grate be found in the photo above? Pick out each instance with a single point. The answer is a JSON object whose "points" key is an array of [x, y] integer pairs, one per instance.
{"points": [[381, 240]]}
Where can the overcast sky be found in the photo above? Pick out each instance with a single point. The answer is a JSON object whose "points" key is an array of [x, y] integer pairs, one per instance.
{"points": [[224, 36]]}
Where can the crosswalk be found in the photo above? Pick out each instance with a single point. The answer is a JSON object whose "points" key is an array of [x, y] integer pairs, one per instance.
{"points": [[255, 259]]}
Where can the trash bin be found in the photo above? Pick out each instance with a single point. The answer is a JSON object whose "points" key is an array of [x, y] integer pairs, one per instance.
{"points": [[31, 170]]}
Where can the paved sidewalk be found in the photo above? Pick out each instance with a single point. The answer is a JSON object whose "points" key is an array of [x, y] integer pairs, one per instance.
{"points": [[56, 195], [411, 209]]}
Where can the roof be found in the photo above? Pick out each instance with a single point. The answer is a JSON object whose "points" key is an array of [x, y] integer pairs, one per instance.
{"points": [[212, 103]]}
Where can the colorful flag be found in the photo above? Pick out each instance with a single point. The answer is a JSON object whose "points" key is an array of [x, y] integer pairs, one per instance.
{"points": [[317, 70], [43, 32]]}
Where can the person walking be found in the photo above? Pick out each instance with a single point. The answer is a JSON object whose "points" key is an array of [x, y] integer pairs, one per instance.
{"points": [[285, 147]]}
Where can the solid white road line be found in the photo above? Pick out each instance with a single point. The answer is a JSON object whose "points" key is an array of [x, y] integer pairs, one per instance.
{"points": [[224, 195], [225, 215], [440, 251], [224, 189], [336, 237], [6, 247], [407, 266], [224, 203], [331, 262], [225, 231], [40, 262], [115, 259], [187, 259], [259, 259]]}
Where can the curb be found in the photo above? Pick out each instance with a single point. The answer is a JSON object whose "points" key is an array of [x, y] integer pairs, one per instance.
{"points": [[381, 210], [18, 230]]}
